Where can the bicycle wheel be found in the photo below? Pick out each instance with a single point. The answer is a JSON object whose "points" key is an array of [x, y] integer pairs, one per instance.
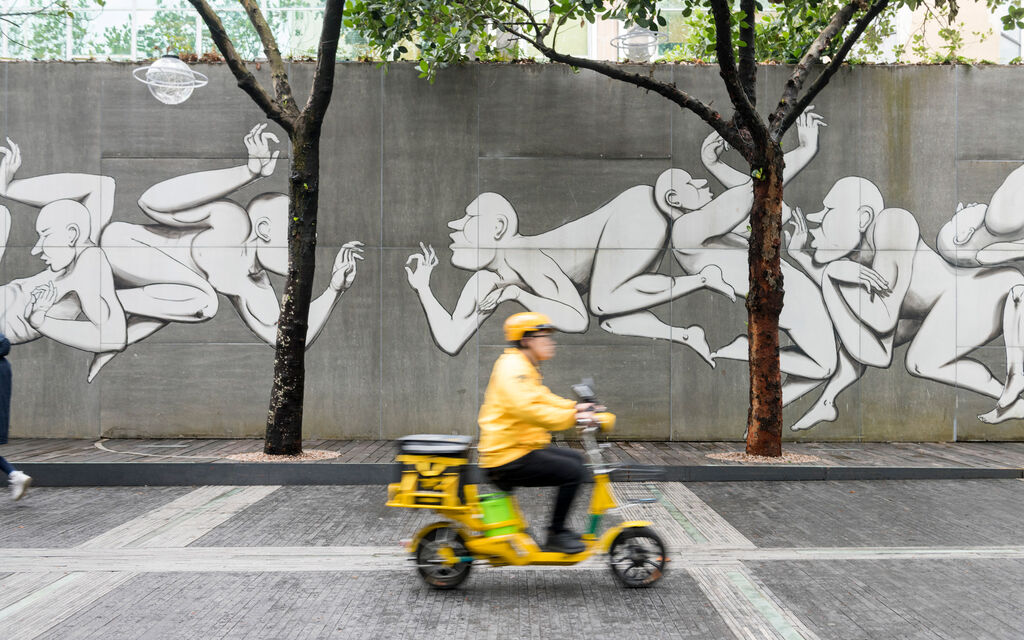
{"points": [[637, 557], [433, 554]]}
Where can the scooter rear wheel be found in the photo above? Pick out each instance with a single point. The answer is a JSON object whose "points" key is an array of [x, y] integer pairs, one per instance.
{"points": [[430, 562], [637, 557]]}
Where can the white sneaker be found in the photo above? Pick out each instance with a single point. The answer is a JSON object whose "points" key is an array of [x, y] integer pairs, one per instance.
{"points": [[19, 484]]}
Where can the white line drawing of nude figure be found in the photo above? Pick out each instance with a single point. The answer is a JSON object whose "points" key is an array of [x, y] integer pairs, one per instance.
{"points": [[884, 286], [73, 301], [507, 265], [717, 234], [982, 235], [203, 244]]}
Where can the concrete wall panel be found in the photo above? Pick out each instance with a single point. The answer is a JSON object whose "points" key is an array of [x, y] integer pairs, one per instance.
{"points": [[574, 161]]}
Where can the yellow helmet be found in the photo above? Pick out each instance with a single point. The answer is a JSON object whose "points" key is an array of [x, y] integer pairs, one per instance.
{"points": [[519, 324]]}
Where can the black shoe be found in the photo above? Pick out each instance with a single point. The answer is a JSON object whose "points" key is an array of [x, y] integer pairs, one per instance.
{"points": [[565, 541]]}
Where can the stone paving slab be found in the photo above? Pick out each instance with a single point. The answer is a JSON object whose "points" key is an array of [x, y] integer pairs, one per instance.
{"points": [[233, 562], [332, 516], [871, 513], [70, 516], [925, 599], [503, 603]]}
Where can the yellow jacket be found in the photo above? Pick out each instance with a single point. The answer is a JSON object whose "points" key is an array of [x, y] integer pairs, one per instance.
{"points": [[519, 412]]}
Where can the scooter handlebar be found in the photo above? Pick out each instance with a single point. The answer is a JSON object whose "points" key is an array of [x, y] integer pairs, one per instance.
{"points": [[603, 421]]}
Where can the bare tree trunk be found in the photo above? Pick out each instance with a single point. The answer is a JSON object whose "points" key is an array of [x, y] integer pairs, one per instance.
{"points": [[764, 304], [284, 418]]}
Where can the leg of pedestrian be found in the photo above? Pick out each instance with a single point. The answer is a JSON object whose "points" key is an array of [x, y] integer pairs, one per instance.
{"points": [[20, 482]]}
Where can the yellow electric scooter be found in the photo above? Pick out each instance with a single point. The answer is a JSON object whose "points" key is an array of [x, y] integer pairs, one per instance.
{"points": [[491, 529]]}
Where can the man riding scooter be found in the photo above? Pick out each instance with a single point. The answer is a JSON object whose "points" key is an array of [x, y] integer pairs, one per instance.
{"points": [[517, 418]]}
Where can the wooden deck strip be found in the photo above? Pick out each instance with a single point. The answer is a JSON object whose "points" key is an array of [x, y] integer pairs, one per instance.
{"points": [[359, 454], [60, 453], [641, 453], [343, 447], [384, 452], [198, 451], [619, 453], [915, 453], [362, 452], [250, 445], [30, 449], [966, 457], [21, 448], [1012, 457], [685, 455], [932, 455]]}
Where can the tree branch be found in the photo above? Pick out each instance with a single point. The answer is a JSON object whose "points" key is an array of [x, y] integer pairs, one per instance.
{"points": [[748, 60], [789, 108], [727, 69], [323, 77], [541, 32], [683, 99], [282, 89], [245, 79]]}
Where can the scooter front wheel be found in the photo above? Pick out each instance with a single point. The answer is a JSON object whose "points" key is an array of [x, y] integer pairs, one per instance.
{"points": [[434, 554], [637, 557]]}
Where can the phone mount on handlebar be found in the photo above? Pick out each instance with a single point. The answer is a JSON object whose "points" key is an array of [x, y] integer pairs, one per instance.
{"points": [[585, 391]]}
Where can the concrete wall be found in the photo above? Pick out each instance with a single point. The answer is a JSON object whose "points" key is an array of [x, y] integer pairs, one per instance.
{"points": [[402, 158]]}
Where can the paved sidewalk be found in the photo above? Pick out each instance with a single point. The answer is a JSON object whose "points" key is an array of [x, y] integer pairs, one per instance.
{"points": [[188, 461], [861, 560]]}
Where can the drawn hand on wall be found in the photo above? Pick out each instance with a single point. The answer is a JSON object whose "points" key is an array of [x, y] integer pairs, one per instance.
{"points": [[345, 265], [807, 125], [42, 299], [712, 148], [261, 161], [850, 272], [9, 165], [500, 294], [796, 241], [423, 265]]}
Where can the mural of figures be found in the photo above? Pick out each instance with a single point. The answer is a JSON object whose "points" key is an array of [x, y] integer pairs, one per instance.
{"points": [[203, 244], [847, 306], [507, 265], [699, 236], [680, 213], [879, 299], [627, 224]]}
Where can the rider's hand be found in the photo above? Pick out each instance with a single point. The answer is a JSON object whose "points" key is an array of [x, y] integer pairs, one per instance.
{"points": [[584, 413]]}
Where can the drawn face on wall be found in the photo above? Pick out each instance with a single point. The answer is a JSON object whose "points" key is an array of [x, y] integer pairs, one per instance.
{"points": [[60, 226], [677, 192], [488, 223], [693, 194], [849, 208]]}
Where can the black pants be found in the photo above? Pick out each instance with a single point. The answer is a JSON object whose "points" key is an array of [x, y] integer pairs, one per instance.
{"points": [[551, 467]]}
